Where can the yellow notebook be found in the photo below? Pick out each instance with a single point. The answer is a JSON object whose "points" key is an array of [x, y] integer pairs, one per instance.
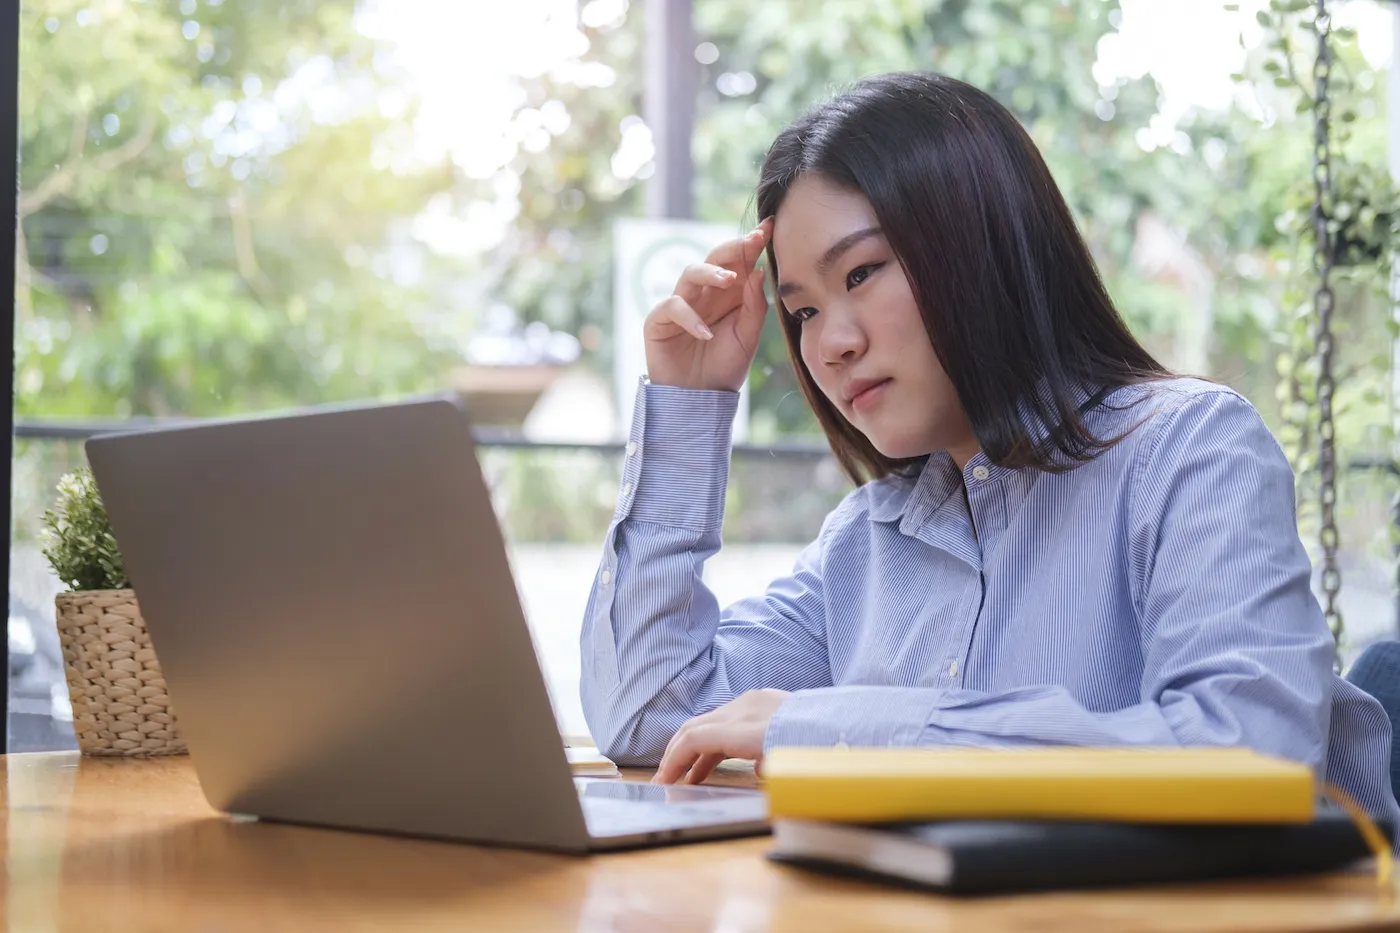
{"points": [[1166, 785]]}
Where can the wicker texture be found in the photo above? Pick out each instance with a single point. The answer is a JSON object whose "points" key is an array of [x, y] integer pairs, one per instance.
{"points": [[120, 706]]}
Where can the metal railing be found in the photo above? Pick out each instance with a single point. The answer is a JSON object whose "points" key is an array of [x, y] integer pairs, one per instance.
{"points": [[485, 436], [546, 491], [778, 492]]}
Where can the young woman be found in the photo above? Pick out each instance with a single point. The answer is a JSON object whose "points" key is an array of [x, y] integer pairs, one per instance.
{"points": [[1053, 541]]}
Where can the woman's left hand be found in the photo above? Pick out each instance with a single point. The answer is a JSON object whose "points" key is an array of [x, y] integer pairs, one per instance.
{"points": [[735, 730]]}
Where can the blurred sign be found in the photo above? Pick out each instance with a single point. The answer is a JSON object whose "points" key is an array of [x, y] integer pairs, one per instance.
{"points": [[649, 256]]}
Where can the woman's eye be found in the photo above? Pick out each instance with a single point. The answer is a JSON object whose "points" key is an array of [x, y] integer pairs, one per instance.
{"points": [[860, 274], [803, 314]]}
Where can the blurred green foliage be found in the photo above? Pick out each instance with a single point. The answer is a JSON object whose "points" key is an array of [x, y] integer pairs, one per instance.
{"points": [[215, 219], [209, 223]]}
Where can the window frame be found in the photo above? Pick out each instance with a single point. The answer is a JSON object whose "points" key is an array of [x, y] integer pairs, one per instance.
{"points": [[9, 191]]}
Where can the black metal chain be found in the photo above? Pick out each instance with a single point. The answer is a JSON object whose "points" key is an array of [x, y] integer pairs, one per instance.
{"points": [[1324, 302]]}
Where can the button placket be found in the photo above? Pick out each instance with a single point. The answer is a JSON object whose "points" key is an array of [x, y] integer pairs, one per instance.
{"points": [[971, 610], [986, 502]]}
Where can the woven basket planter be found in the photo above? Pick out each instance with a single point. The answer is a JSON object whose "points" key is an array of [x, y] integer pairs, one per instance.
{"points": [[120, 706]]}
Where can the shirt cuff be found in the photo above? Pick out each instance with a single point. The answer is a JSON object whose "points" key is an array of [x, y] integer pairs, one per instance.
{"points": [[854, 715], [677, 466]]}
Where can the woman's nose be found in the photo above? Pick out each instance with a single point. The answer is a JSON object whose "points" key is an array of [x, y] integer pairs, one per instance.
{"points": [[842, 341]]}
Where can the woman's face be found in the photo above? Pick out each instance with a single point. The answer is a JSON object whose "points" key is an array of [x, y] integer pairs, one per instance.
{"points": [[863, 338]]}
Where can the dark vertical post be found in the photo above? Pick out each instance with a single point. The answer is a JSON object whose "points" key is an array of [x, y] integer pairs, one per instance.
{"points": [[668, 105], [9, 209]]}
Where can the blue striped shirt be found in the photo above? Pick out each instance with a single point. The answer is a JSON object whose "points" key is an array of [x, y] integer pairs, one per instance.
{"points": [[1157, 595]]}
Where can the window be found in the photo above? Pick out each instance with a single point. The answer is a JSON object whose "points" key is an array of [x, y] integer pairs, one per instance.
{"points": [[233, 206]]}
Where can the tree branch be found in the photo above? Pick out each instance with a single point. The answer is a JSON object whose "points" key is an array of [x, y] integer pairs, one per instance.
{"points": [[248, 266], [61, 180]]}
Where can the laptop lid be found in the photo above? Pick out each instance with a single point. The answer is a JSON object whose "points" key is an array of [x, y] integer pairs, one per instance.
{"points": [[329, 596]]}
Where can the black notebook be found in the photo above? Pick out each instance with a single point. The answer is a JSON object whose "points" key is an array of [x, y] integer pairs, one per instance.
{"points": [[997, 857]]}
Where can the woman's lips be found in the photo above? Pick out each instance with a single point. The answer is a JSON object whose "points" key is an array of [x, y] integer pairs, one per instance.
{"points": [[870, 397]]}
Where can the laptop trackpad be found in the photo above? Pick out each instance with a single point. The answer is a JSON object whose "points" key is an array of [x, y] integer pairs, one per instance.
{"points": [[619, 808]]}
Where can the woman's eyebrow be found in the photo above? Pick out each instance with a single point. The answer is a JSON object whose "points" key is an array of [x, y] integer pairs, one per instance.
{"points": [[837, 250], [840, 247]]}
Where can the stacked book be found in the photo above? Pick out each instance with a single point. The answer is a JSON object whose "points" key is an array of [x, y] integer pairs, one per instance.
{"points": [[585, 760], [979, 821]]}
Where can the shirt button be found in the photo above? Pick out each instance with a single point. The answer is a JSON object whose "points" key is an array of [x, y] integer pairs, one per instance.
{"points": [[631, 448], [605, 577], [953, 669], [980, 472], [626, 490]]}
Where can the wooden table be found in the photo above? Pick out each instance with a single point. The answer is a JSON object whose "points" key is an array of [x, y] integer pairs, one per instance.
{"points": [[99, 844]]}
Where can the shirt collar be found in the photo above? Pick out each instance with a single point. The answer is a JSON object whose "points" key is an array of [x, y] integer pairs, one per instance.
{"points": [[892, 498]]}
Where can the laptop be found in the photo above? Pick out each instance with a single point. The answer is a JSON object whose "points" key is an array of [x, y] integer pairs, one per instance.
{"points": [[331, 600]]}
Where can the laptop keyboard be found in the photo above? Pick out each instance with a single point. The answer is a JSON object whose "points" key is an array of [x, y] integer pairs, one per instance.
{"points": [[618, 808]]}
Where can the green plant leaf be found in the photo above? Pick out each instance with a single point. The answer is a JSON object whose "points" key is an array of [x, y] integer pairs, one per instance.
{"points": [[78, 540]]}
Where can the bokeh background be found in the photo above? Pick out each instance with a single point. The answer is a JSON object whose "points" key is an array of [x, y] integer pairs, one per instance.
{"points": [[231, 206]]}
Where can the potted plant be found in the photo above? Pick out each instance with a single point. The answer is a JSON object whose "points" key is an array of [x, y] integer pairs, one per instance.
{"points": [[120, 705]]}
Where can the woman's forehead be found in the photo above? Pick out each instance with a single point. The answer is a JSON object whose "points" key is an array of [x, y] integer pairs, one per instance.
{"points": [[813, 216]]}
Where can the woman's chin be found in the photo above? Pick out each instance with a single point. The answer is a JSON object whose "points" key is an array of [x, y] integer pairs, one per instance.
{"points": [[898, 448]]}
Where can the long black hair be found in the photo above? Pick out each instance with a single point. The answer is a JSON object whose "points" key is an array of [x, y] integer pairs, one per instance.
{"points": [[1009, 293]]}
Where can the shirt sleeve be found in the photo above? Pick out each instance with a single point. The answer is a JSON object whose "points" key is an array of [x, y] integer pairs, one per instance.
{"points": [[656, 648], [1234, 645]]}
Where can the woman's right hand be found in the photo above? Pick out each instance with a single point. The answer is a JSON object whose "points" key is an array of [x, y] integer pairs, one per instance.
{"points": [[705, 334]]}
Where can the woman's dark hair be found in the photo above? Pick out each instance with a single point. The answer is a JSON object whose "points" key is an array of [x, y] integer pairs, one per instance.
{"points": [[1008, 290]]}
